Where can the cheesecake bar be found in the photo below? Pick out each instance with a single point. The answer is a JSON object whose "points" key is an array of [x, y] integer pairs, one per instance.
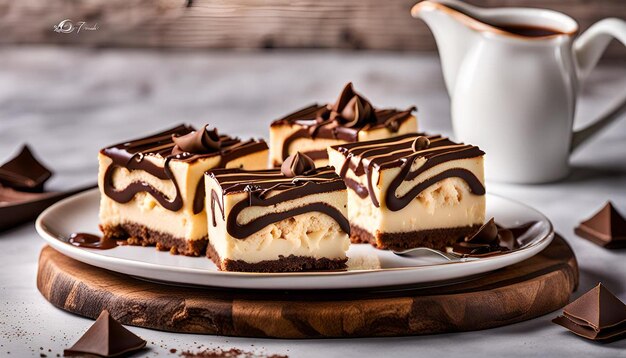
{"points": [[152, 188], [277, 220], [352, 118], [412, 190]]}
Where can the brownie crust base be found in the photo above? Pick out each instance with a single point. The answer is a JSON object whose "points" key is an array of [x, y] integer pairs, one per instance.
{"points": [[283, 264], [136, 234], [436, 239]]}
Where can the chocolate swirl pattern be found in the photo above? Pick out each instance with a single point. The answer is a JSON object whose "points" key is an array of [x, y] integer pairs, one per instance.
{"points": [[269, 188], [132, 156], [365, 157]]}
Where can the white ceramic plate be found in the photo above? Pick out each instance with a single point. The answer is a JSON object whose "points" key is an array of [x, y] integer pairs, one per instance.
{"points": [[368, 267]]}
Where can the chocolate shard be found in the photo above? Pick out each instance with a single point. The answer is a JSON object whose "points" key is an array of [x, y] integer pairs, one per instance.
{"points": [[106, 338], [598, 309], [199, 142], [606, 228], [487, 233], [606, 335], [489, 239], [519, 230], [297, 164], [508, 240], [482, 242], [597, 315], [24, 172]]}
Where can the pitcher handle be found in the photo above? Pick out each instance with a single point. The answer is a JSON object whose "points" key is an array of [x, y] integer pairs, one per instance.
{"points": [[588, 49]]}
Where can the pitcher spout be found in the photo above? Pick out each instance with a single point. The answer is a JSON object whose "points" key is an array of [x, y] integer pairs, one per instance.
{"points": [[449, 22]]}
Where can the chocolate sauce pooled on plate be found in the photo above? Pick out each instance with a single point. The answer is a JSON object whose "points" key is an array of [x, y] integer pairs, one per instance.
{"points": [[90, 241]]}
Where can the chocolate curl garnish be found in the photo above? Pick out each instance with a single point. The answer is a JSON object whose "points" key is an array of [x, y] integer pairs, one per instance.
{"points": [[297, 164], [420, 143], [351, 109], [203, 141], [488, 239], [346, 95]]}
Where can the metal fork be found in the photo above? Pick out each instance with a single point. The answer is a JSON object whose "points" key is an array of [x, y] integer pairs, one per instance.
{"points": [[424, 252]]}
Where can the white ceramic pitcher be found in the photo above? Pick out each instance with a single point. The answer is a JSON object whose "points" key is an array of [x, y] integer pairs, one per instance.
{"points": [[513, 75]]}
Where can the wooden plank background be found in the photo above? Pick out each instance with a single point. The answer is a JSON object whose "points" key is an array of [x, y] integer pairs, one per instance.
{"points": [[251, 24]]}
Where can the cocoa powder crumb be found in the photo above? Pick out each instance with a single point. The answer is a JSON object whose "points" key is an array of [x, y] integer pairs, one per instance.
{"points": [[227, 353]]}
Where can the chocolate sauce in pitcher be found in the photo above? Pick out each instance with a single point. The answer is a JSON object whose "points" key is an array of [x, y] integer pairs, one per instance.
{"points": [[513, 28]]}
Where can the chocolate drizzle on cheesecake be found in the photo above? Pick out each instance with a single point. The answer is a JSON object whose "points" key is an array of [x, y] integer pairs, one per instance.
{"points": [[171, 144], [342, 120], [403, 151], [269, 188]]}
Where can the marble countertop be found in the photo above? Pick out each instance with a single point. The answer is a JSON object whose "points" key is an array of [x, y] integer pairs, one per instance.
{"points": [[67, 103]]}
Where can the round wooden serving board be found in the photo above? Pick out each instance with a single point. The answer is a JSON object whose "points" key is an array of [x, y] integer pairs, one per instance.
{"points": [[523, 291]]}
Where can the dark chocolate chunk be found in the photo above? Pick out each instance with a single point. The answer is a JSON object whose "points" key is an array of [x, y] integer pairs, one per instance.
{"points": [[297, 164], [202, 141], [106, 338], [597, 315], [606, 228], [24, 172]]}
